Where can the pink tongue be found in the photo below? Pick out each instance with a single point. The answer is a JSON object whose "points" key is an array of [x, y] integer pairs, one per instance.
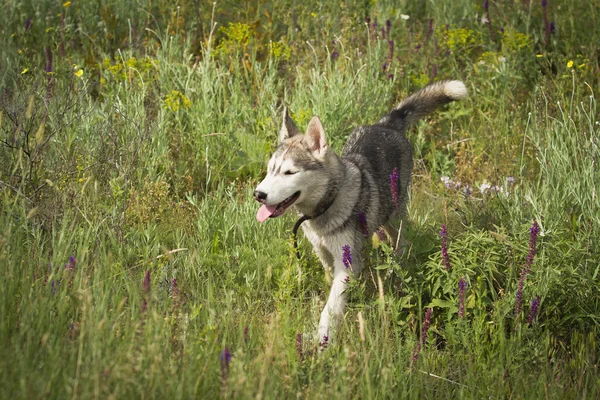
{"points": [[265, 212]]}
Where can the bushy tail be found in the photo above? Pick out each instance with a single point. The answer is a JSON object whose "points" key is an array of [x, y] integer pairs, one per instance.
{"points": [[425, 101]]}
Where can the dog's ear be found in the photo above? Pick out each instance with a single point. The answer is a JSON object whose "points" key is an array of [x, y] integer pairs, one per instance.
{"points": [[315, 136], [288, 128]]}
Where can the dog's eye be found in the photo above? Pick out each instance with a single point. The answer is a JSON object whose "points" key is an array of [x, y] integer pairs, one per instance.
{"points": [[290, 172]]}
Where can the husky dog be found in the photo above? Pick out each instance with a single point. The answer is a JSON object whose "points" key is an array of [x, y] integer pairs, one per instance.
{"points": [[345, 199]]}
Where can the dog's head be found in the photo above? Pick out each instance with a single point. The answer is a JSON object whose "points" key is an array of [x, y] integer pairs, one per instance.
{"points": [[292, 174]]}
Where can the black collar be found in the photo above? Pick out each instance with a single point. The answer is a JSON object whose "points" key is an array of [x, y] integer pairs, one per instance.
{"points": [[321, 209]]}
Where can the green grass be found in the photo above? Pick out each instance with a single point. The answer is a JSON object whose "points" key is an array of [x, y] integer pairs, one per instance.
{"points": [[139, 152]]}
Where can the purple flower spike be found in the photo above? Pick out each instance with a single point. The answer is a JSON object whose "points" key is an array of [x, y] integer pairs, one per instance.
{"points": [[552, 27], [445, 256], [426, 324], [381, 234], [48, 60], [424, 330], [225, 358], [434, 72], [28, 25], [462, 285], [71, 264], [533, 233], [485, 5], [544, 3], [535, 304], [347, 256], [246, 334], [335, 55], [174, 289], [147, 282], [364, 227], [429, 30], [299, 346], [394, 186]]}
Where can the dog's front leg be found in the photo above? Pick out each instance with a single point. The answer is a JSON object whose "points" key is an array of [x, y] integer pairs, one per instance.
{"points": [[334, 309]]}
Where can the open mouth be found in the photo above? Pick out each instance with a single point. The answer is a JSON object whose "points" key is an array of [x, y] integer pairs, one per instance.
{"points": [[275, 211]]}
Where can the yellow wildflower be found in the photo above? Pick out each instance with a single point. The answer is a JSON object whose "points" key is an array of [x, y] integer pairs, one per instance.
{"points": [[67, 4], [312, 14], [26, 70], [79, 73], [570, 64], [539, 55]]}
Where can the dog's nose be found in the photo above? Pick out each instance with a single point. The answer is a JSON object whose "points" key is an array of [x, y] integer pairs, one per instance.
{"points": [[260, 196]]}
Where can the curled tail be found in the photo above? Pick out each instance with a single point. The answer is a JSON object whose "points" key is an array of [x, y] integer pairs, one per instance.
{"points": [[423, 102]]}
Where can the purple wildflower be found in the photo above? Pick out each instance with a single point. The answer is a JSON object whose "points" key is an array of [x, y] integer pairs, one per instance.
{"points": [[391, 51], [433, 72], [384, 67], [364, 227], [424, 330], [28, 25], [552, 28], [544, 3], [246, 334], [299, 346], [381, 234], [347, 279], [48, 60], [535, 303], [429, 30], [147, 282], [485, 5], [462, 285], [510, 181], [426, 324], [448, 183], [71, 264], [347, 256], [394, 186], [335, 55], [445, 257], [533, 233], [388, 26], [144, 305], [174, 289], [418, 47], [225, 358], [324, 342]]}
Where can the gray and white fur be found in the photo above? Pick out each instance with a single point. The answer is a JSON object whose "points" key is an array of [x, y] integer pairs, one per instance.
{"points": [[334, 191]]}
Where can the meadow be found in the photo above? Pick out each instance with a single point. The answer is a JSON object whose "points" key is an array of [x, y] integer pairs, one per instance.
{"points": [[133, 133]]}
